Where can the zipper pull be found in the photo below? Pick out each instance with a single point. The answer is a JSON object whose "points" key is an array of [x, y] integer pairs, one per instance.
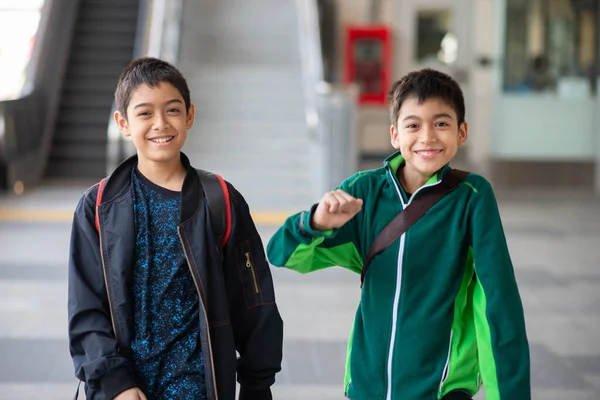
{"points": [[252, 272]]}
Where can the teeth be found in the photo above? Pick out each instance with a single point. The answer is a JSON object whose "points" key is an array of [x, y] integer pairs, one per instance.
{"points": [[162, 140]]}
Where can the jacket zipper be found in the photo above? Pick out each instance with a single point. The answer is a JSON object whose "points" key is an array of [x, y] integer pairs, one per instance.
{"points": [[212, 363], [447, 366], [250, 266], [112, 318], [398, 288]]}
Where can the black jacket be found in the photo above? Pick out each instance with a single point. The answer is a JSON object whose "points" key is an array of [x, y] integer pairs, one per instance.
{"points": [[238, 310]]}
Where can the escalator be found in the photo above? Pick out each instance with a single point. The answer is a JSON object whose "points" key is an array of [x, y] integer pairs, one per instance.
{"points": [[103, 44], [57, 127]]}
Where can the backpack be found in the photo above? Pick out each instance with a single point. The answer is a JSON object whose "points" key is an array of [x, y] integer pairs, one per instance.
{"points": [[217, 195]]}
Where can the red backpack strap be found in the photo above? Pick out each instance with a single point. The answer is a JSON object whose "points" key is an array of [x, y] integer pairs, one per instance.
{"points": [[98, 201], [217, 196], [227, 210]]}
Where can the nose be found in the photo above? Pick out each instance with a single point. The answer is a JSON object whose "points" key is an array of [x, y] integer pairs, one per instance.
{"points": [[427, 134], [160, 122]]}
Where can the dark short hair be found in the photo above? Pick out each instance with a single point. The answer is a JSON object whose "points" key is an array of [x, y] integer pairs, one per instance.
{"points": [[151, 72], [425, 84]]}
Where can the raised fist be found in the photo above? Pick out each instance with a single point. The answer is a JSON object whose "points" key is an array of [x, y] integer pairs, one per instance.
{"points": [[334, 210]]}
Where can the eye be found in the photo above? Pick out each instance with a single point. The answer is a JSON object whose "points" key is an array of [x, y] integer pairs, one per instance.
{"points": [[144, 114], [411, 126], [442, 124], [174, 110]]}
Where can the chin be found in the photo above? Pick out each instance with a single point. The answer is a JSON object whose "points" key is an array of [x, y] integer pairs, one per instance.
{"points": [[430, 168], [428, 173], [162, 157]]}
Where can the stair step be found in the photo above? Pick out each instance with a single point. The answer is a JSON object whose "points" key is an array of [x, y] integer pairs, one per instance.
{"points": [[242, 63], [107, 12], [250, 111], [235, 129], [117, 55], [92, 70], [82, 84], [94, 25], [80, 132], [254, 158], [97, 41], [90, 118], [223, 142], [83, 151], [240, 74]]}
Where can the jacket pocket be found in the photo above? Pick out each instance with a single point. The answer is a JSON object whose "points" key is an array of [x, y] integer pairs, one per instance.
{"points": [[447, 366], [461, 368], [249, 275]]}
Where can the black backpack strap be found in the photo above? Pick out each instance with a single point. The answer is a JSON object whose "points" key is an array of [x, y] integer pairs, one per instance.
{"points": [[410, 215], [217, 196], [77, 392]]}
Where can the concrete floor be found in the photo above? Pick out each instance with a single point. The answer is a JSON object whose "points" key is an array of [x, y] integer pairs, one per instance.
{"points": [[555, 245]]}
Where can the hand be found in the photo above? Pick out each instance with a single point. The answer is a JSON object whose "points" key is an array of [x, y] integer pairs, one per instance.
{"points": [[131, 394], [334, 210]]}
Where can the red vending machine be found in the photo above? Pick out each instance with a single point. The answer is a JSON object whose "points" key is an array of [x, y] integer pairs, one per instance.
{"points": [[367, 62]]}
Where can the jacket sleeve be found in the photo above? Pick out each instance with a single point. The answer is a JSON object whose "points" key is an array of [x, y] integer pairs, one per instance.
{"points": [[91, 338], [499, 321], [257, 325], [300, 248]]}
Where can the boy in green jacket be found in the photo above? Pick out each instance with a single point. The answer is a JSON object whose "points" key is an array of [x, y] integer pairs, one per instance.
{"points": [[440, 312]]}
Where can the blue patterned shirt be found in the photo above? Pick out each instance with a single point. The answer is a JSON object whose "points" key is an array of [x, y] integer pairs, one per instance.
{"points": [[166, 349]]}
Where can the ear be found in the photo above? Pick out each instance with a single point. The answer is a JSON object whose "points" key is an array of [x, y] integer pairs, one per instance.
{"points": [[190, 117], [463, 133], [122, 124], [394, 137]]}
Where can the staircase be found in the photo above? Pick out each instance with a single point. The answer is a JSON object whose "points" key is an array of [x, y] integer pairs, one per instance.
{"points": [[242, 62]]}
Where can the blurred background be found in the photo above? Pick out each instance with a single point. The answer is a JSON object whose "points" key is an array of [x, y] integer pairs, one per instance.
{"points": [[290, 100]]}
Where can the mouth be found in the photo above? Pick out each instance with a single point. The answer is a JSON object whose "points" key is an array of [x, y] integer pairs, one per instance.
{"points": [[162, 140], [428, 153]]}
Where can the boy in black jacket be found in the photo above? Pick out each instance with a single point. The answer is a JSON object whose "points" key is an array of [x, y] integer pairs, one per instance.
{"points": [[158, 305]]}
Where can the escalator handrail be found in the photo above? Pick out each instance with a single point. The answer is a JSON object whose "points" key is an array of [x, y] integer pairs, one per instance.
{"points": [[29, 120]]}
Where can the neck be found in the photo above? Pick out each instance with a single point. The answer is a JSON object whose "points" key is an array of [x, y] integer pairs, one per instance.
{"points": [[411, 180], [168, 175]]}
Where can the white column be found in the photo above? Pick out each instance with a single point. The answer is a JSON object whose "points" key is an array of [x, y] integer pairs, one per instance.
{"points": [[482, 85], [597, 138]]}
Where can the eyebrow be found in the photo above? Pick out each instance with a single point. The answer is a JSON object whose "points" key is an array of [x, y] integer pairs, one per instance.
{"points": [[149, 104], [436, 116]]}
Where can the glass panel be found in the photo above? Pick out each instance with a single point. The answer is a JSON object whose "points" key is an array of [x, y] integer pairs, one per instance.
{"points": [[368, 60], [436, 41], [19, 22], [550, 47]]}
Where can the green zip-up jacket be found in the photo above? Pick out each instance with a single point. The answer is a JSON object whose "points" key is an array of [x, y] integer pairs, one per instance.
{"points": [[440, 308]]}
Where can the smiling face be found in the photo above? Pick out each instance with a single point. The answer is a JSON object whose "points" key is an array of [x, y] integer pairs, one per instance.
{"points": [[428, 135], [157, 122]]}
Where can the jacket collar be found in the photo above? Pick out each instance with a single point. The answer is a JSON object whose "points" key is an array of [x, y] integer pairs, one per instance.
{"points": [[119, 182], [393, 162]]}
